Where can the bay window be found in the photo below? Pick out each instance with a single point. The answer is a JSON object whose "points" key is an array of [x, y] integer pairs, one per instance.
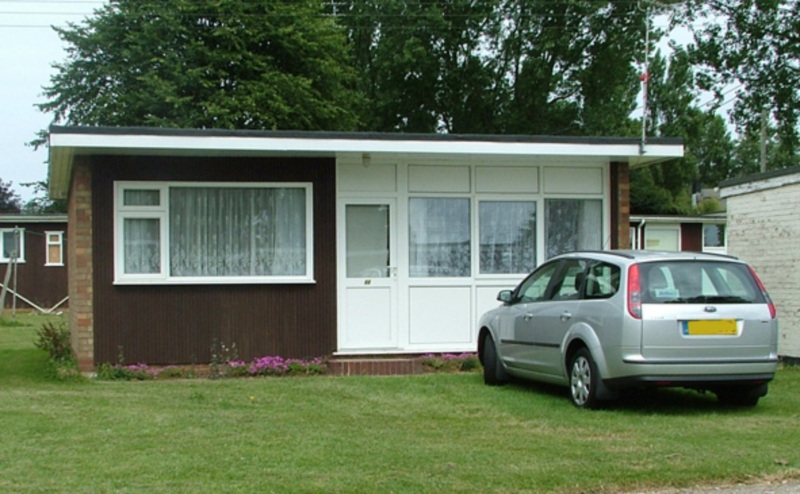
{"points": [[213, 233]]}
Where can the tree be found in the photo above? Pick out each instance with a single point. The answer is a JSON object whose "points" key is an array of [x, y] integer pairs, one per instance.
{"points": [[571, 66], [10, 201], [41, 203], [205, 64], [752, 47], [425, 66]]}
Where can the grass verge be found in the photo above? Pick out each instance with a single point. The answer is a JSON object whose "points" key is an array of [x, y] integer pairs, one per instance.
{"points": [[424, 433]]}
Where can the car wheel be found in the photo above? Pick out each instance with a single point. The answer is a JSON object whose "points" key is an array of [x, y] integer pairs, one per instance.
{"points": [[741, 396], [493, 372], [583, 380]]}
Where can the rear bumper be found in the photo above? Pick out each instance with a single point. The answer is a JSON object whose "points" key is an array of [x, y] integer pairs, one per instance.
{"points": [[690, 381], [693, 374]]}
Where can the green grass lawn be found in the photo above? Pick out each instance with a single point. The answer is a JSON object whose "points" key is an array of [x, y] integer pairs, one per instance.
{"points": [[425, 433]]}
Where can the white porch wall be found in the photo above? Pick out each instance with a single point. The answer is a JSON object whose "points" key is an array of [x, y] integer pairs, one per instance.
{"points": [[441, 314]]}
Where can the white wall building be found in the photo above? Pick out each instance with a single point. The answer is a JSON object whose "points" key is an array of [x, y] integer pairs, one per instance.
{"points": [[764, 229]]}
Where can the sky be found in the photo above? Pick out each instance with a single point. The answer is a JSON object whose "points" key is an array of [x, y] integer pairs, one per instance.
{"points": [[28, 48]]}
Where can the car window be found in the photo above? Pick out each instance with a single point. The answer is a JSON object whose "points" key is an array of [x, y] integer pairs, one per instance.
{"points": [[534, 288], [602, 281], [698, 282], [569, 280]]}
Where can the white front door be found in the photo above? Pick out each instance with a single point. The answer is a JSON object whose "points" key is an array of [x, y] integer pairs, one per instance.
{"points": [[367, 275]]}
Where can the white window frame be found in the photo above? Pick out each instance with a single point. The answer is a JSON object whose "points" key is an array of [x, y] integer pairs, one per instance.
{"points": [[161, 213], [722, 249], [21, 258], [48, 243]]}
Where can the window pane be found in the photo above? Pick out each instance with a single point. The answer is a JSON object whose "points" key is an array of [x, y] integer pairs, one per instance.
{"points": [[237, 231], [142, 240], [367, 241], [714, 236], [139, 197], [508, 237], [534, 288], [573, 224], [439, 237], [53, 254]]}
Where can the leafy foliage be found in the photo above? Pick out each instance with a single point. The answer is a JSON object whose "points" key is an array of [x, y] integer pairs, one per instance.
{"points": [[567, 67], [754, 53], [10, 201], [41, 203], [53, 338], [205, 64]]}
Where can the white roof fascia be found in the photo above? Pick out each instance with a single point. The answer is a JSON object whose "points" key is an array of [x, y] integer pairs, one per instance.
{"points": [[100, 143]]}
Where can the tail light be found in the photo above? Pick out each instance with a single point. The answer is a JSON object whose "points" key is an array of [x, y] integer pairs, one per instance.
{"points": [[634, 292], [772, 312]]}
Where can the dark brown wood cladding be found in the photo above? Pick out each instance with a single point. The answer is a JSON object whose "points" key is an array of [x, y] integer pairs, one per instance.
{"points": [[177, 324], [692, 237], [43, 285]]}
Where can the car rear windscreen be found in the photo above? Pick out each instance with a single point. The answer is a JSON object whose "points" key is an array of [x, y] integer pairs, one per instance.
{"points": [[697, 282]]}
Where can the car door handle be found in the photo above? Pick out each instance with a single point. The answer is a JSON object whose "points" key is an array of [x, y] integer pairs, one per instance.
{"points": [[528, 317], [566, 316]]}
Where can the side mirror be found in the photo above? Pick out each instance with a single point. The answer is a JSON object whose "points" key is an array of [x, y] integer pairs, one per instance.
{"points": [[505, 296]]}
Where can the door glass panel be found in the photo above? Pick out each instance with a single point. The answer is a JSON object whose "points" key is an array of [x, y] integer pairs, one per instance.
{"points": [[367, 240]]}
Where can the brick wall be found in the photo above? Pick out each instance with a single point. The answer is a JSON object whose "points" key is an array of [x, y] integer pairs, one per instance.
{"points": [[763, 229], [80, 266], [620, 206]]}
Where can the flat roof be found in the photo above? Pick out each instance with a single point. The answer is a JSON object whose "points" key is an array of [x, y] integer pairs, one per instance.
{"points": [[9, 218], [68, 142]]}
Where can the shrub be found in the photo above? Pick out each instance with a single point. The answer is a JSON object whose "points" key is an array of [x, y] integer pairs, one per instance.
{"points": [[53, 338], [449, 362]]}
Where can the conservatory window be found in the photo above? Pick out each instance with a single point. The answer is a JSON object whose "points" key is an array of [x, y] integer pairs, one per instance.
{"points": [[507, 236], [439, 237], [573, 224]]}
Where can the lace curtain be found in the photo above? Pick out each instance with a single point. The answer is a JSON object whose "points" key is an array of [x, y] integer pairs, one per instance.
{"points": [[507, 237], [237, 231], [573, 224], [221, 231], [439, 237], [142, 245]]}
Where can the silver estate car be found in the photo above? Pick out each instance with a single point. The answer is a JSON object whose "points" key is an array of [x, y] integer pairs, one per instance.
{"points": [[603, 322]]}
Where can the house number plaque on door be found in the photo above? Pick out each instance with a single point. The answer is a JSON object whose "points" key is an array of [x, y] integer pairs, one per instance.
{"points": [[367, 282]]}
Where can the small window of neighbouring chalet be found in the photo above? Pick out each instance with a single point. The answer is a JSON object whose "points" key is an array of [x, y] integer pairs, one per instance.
{"points": [[207, 233], [12, 244], [54, 253]]}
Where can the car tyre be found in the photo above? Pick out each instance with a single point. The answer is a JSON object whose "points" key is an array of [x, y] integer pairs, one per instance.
{"points": [[494, 374], [583, 380], [741, 396]]}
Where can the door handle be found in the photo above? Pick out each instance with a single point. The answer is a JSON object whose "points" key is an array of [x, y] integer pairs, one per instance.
{"points": [[528, 317], [566, 316]]}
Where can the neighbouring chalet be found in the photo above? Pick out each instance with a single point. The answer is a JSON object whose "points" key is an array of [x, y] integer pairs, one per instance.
{"points": [[33, 261], [694, 233], [319, 244]]}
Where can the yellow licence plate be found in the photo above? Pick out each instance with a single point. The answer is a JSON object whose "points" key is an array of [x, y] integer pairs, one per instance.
{"points": [[724, 327]]}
